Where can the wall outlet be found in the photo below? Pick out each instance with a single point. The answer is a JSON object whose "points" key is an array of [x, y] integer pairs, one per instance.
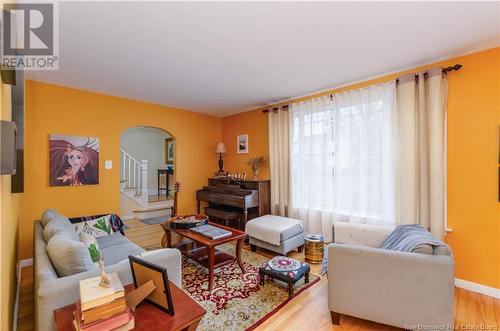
{"points": [[108, 164]]}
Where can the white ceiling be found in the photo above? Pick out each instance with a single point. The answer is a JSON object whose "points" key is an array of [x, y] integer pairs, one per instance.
{"points": [[226, 57]]}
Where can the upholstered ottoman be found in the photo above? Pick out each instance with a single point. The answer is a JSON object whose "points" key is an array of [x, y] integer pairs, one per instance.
{"points": [[285, 269], [275, 233]]}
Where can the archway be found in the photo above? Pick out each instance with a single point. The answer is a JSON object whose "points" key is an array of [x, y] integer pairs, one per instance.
{"points": [[147, 173]]}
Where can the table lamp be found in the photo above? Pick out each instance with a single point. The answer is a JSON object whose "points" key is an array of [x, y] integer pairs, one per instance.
{"points": [[221, 149]]}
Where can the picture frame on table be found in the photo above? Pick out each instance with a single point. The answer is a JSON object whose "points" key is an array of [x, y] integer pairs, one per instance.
{"points": [[242, 144], [143, 272]]}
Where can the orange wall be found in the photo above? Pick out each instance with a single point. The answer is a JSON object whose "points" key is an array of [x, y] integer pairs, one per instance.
{"points": [[253, 123], [473, 129], [61, 110]]}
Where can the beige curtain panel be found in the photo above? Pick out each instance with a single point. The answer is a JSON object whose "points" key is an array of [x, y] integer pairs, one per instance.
{"points": [[279, 173], [420, 122]]}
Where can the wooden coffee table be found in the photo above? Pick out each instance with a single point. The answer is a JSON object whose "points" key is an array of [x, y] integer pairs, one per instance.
{"points": [[202, 249], [188, 314]]}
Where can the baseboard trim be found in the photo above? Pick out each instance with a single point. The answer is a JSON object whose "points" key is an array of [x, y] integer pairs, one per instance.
{"points": [[478, 288]]}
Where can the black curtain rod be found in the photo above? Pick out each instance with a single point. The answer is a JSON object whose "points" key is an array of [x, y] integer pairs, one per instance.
{"points": [[285, 107], [445, 71]]}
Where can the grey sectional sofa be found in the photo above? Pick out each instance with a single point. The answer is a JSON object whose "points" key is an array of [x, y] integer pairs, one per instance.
{"points": [[406, 290], [52, 291]]}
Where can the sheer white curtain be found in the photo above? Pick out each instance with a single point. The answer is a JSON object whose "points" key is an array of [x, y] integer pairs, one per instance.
{"points": [[342, 159], [279, 149]]}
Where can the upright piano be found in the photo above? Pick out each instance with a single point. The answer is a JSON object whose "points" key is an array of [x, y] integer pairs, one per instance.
{"points": [[250, 197]]}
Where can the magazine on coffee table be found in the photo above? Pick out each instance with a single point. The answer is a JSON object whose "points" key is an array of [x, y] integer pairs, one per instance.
{"points": [[211, 232]]}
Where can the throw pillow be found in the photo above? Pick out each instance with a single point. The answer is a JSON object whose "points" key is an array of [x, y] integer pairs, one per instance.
{"points": [[98, 227], [93, 247], [48, 215], [69, 256], [56, 225]]}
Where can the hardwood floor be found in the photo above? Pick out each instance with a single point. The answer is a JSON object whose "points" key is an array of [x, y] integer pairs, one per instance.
{"points": [[307, 311], [26, 314]]}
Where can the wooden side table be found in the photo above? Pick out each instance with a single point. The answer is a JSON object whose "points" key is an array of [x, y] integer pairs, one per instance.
{"points": [[165, 172], [314, 251], [188, 314]]}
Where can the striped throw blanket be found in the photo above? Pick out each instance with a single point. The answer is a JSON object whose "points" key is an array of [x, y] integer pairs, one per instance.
{"points": [[408, 237]]}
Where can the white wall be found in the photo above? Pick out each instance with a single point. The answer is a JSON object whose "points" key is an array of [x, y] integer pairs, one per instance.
{"points": [[147, 144]]}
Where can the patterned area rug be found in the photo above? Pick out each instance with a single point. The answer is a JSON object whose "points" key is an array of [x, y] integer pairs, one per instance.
{"points": [[237, 301]]}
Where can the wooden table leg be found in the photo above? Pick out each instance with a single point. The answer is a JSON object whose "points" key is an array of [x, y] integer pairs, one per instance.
{"points": [[211, 263], [239, 244], [166, 241]]}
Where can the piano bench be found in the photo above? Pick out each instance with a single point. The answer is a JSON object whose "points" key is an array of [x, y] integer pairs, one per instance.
{"points": [[225, 214], [262, 230]]}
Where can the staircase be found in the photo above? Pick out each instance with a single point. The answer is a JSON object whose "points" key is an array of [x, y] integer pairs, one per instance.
{"points": [[136, 201]]}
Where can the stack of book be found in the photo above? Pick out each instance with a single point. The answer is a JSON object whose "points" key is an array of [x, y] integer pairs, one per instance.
{"points": [[101, 308]]}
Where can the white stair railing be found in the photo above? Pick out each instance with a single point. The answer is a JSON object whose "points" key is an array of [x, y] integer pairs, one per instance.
{"points": [[144, 185], [135, 174]]}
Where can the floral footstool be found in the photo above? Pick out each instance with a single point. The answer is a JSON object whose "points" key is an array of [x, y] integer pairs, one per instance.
{"points": [[285, 269]]}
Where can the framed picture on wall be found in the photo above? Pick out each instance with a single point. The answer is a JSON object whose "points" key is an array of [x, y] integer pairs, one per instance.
{"points": [[242, 144], [169, 150], [73, 160]]}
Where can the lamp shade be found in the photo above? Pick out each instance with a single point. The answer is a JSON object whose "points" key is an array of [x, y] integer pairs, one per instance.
{"points": [[221, 148]]}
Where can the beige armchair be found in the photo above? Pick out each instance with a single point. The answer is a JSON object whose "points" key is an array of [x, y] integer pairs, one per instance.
{"points": [[406, 290]]}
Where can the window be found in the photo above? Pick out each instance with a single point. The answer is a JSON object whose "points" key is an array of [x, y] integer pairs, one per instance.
{"points": [[342, 155]]}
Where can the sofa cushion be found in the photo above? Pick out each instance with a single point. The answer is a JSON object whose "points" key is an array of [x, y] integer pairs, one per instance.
{"points": [[69, 256], [56, 225], [113, 240], [48, 215], [114, 254], [351, 233], [92, 245]]}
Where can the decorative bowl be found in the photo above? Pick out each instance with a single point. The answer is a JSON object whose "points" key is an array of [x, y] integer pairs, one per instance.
{"points": [[187, 221]]}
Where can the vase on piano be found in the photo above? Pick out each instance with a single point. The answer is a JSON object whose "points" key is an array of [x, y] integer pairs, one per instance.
{"points": [[255, 164]]}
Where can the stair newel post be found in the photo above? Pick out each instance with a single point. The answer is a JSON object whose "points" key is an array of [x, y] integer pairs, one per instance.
{"points": [[144, 184]]}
